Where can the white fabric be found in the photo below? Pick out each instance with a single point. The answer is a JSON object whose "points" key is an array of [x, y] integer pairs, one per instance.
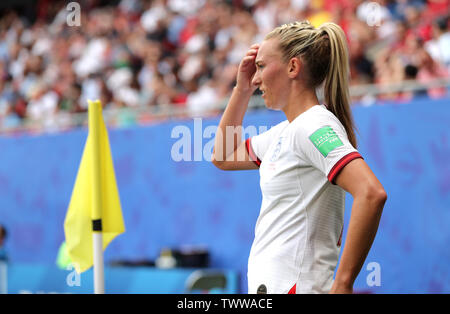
{"points": [[301, 216]]}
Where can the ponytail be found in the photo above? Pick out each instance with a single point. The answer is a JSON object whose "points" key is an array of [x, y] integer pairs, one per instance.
{"points": [[336, 86]]}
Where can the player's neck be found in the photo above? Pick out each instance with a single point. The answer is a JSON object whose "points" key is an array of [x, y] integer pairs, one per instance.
{"points": [[299, 101]]}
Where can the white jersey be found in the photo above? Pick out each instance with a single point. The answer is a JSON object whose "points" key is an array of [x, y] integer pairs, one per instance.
{"points": [[297, 234]]}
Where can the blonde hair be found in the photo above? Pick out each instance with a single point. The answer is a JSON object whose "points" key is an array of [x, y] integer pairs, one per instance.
{"points": [[325, 55]]}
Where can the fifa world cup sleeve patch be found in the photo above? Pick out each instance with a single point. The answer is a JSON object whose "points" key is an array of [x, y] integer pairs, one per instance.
{"points": [[325, 140]]}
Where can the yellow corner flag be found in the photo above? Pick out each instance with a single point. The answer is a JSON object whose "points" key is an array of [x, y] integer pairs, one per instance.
{"points": [[95, 204]]}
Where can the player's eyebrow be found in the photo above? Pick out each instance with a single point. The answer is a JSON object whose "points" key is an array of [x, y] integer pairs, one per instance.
{"points": [[258, 62]]}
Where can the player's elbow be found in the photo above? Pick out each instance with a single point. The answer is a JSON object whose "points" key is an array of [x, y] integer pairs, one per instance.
{"points": [[379, 195], [375, 194], [218, 163], [383, 196]]}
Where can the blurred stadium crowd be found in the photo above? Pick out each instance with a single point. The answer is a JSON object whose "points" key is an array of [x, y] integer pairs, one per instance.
{"points": [[137, 53]]}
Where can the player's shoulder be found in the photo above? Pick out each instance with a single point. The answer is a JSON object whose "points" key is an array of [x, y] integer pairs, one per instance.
{"points": [[314, 119]]}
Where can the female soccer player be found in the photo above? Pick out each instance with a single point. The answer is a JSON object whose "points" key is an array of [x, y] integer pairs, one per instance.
{"points": [[306, 163]]}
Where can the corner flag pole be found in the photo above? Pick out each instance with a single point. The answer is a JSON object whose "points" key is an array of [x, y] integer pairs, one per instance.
{"points": [[97, 238]]}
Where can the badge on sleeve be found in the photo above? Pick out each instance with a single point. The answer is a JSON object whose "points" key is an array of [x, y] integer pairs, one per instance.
{"points": [[325, 140]]}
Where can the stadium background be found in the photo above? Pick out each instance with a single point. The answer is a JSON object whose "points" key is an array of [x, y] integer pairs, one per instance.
{"points": [[154, 68]]}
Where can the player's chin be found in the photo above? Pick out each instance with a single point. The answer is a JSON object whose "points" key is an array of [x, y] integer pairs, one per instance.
{"points": [[268, 103]]}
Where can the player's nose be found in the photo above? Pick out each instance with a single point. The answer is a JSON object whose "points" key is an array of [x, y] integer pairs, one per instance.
{"points": [[256, 80]]}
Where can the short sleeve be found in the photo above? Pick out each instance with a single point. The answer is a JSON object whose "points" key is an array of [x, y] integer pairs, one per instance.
{"points": [[325, 146], [258, 145]]}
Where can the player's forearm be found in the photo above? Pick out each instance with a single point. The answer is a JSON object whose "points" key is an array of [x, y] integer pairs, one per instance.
{"points": [[363, 226], [226, 141]]}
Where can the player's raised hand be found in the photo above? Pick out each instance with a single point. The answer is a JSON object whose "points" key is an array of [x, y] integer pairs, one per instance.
{"points": [[247, 70]]}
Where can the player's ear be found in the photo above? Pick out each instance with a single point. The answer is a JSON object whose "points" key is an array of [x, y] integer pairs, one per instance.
{"points": [[294, 67]]}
